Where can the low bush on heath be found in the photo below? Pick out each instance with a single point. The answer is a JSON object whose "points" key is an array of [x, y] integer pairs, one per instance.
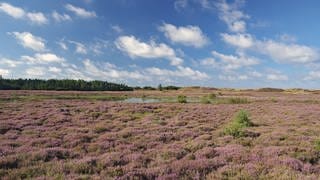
{"points": [[240, 121], [182, 99]]}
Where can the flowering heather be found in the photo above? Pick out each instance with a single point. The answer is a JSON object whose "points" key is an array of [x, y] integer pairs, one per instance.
{"points": [[43, 138]]}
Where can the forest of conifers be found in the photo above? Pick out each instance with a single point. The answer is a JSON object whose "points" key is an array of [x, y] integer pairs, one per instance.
{"points": [[63, 85]]}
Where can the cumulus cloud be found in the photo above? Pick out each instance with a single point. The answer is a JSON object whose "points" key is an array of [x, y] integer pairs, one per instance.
{"points": [[278, 51], [238, 40], [117, 28], [183, 4], [80, 48], [12, 11], [240, 76], [180, 4], [80, 12], [9, 62], [233, 77], [35, 72], [60, 17], [232, 16], [313, 75], [43, 58], [19, 13], [185, 72], [110, 72], [37, 18], [277, 77], [135, 48], [255, 74], [186, 35], [62, 45], [75, 73], [97, 47], [4, 72], [54, 69], [28, 40], [232, 62], [209, 62], [288, 53]]}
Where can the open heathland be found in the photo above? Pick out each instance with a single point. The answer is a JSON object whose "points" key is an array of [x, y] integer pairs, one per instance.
{"points": [[186, 134]]}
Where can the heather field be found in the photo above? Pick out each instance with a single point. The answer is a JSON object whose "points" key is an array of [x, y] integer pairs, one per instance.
{"points": [[212, 134]]}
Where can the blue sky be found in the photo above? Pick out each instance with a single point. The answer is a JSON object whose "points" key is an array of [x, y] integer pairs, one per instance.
{"points": [[219, 43]]}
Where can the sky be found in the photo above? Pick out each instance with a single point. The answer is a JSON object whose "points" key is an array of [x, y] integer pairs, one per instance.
{"points": [[212, 43]]}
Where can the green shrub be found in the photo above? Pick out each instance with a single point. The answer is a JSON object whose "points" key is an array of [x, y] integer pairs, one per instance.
{"points": [[212, 96], [182, 99], [235, 128], [317, 144]]}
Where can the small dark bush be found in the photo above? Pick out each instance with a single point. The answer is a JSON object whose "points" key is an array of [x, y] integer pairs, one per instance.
{"points": [[182, 99]]}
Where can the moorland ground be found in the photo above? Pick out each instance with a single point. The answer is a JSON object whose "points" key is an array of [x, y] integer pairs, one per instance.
{"points": [[97, 135]]}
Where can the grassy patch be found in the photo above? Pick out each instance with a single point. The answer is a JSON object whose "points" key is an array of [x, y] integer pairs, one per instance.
{"points": [[240, 121], [238, 100], [205, 100]]}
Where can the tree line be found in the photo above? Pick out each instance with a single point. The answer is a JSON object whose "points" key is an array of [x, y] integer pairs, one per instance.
{"points": [[61, 85]]}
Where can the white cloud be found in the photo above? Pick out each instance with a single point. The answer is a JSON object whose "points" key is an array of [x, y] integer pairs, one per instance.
{"points": [[238, 40], [19, 13], [233, 77], [80, 48], [231, 62], [54, 69], [4, 72], [135, 48], [279, 51], [80, 11], [28, 40], [60, 17], [98, 46], [232, 16], [209, 62], [10, 62], [43, 58], [277, 77], [35, 71], [110, 72], [117, 28], [62, 44], [183, 4], [182, 72], [186, 35], [288, 53], [313, 75], [255, 74], [240, 76], [74, 73], [37, 18], [180, 4], [12, 11]]}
